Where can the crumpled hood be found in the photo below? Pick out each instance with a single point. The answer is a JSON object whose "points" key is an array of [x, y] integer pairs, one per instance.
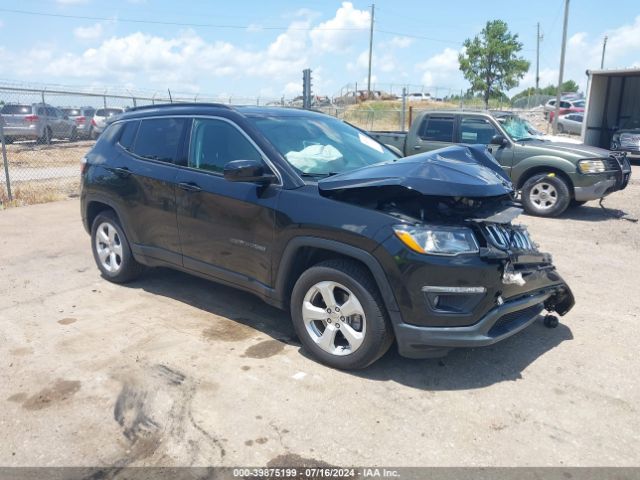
{"points": [[455, 171]]}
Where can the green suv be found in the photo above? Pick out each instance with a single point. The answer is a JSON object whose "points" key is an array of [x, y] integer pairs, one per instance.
{"points": [[549, 175]]}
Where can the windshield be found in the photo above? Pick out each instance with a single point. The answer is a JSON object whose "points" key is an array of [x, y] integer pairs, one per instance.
{"points": [[16, 109], [519, 129], [317, 145]]}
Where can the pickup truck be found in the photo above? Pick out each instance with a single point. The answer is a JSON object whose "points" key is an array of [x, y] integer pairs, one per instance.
{"points": [[549, 175]]}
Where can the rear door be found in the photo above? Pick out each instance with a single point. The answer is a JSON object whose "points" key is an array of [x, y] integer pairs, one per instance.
{"points": [[226, 228], [480, 130], [435, 131], [143, 176]]}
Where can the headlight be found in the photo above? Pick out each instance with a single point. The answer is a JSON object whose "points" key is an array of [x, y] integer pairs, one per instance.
{"points": [[437, 240], [591, 166]]}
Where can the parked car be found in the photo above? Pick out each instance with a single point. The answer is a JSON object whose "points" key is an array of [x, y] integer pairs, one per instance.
{"points": [[313, 215], [627, 137], [571, 123], [566, 106], [38, 121], [100, 118], [82, 117], [418, 97], [549, 175]]}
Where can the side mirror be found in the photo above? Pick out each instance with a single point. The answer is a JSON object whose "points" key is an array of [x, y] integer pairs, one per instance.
{"points": [[498, 140], [247, 171]]}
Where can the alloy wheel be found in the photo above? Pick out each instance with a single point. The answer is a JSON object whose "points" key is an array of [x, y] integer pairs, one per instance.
{"points": [[334, 318], [543, 195], [109, 247]]}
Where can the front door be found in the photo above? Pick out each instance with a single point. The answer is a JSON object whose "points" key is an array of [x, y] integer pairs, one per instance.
{"points": [[474, 130], [226, 228]]}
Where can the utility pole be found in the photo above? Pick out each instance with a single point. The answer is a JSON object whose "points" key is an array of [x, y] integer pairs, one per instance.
{"points": [[562, 52], [373, 8], [604, 49], [538, 38]]}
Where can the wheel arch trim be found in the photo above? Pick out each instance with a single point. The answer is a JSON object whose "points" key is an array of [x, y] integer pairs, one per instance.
{"points": [[294, 246]]}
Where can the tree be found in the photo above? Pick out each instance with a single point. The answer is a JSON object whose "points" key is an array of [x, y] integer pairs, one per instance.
{"points": [[490, 62]]}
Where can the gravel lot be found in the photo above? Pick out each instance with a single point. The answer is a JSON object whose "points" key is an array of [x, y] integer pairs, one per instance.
{"points": [[174, 370]]}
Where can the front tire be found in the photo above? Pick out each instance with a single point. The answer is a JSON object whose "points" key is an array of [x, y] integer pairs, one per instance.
{"points": [[111, 249], [339, 316], [545, 195]]}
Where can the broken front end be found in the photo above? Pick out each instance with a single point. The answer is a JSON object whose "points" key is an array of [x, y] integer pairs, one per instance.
{"points": [[464, 274]]}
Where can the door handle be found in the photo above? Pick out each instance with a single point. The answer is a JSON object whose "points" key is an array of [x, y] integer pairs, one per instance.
{"points": [[121, 171], [417, 147], [189, 187]]}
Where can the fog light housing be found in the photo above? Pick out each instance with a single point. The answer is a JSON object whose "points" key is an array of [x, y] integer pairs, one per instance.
{"points": [[453, 300]]}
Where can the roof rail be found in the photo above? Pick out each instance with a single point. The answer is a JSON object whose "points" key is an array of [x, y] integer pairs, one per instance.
{"points": [[179, 104]]}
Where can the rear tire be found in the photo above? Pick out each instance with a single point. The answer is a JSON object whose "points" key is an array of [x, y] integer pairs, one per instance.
{"points": [[560, 128], [111, 249], [339, 315], [545, 195], [74, 135]]}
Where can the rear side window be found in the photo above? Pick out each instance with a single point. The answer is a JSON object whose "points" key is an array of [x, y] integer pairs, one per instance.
{"points": [[565, 105], [214, 143], [437, 129], [476, 130], [128, 135], [16, 109], [159, 139]]}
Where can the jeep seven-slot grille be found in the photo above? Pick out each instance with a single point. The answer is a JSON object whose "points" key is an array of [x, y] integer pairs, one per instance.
{"points": [[508, 237]]}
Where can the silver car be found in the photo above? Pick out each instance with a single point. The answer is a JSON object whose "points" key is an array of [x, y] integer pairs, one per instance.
{"points": [[100, 119], [82, 117], [570, 123], [38, 121]]}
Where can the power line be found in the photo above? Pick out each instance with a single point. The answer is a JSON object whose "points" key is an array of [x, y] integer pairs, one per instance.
{"points": [[175, 24]]}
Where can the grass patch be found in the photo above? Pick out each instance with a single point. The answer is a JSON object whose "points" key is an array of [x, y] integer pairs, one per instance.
{"points": [[38, 192]]}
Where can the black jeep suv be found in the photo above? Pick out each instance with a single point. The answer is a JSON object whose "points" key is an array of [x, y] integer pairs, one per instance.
{"points": [[314, 216]]}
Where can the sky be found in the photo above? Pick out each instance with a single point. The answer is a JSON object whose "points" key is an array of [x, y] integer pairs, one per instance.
{"points": [[259, 48]]}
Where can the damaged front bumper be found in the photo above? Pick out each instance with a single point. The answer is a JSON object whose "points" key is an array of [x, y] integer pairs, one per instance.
{"points": [[499, 323], [473, 300]]}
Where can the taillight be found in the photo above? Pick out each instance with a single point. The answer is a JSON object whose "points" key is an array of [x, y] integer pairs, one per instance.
{"points": [[84, 164], [80, 120], [93, 122], [31, 118]]}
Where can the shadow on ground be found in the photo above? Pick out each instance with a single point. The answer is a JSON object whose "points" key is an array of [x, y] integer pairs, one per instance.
{"points": [[593, 212], [462, 369]]}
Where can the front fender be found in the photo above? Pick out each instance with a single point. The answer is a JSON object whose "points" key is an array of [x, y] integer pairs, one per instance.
{"points": [[538, 162]]}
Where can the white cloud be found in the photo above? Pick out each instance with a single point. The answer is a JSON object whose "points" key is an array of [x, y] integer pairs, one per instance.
{"points": [[401, 42], [88, 33], [441, 70], [337, 33], [292, 89]]}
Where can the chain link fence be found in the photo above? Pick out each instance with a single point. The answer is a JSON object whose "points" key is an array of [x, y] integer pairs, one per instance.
{"points": [[47, 131]]}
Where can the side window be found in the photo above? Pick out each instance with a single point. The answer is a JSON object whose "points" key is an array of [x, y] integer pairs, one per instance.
{"points": [[565, 105], [128, 135], [41, 111], [476, 130], [214, 143], [159, 139], [437, 129]]}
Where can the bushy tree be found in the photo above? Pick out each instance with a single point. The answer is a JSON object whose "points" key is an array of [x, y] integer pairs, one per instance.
{"points": [[490, 61]]}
